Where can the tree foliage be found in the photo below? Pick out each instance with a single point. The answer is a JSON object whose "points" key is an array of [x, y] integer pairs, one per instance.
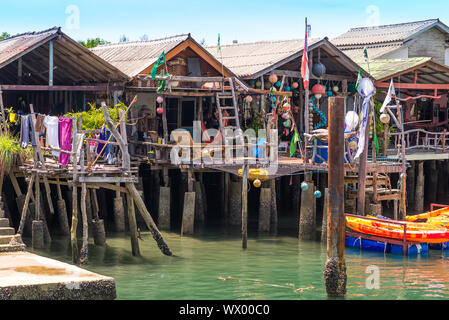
{"points": [[4, 35], [92, 43]]}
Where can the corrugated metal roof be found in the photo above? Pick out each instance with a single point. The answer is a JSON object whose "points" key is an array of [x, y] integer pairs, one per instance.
{"points": [[382, 69], [133, 57], [14, 46], [373, 52], [384, 33], [246, 59]]}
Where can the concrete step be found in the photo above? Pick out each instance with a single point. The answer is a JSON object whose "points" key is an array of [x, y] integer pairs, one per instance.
{"points": [[4, 223], [12, 248], [6, 239], [7, 231]]}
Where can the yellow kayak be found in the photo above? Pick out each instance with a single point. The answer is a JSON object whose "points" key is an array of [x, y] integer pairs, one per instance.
{"points": [[439, 217]]}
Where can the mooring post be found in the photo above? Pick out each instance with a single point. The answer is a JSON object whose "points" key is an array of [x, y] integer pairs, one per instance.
{"points": [[335, 268], [245, 173]]}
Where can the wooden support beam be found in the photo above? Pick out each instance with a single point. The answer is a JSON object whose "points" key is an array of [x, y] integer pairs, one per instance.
{"points": [[25, 206]]}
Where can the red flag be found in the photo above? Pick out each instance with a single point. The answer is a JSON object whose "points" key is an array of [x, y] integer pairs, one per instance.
{"points": [[305, 63]]}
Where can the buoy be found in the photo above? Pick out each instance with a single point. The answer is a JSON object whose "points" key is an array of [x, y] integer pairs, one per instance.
{"points": [[317, 194], [304, 186], [257, 183], [159, 99], [385, 118], [160, 110]]}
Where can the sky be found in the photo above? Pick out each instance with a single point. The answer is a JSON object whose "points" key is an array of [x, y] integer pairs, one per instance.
{"points": [[241, 20]]}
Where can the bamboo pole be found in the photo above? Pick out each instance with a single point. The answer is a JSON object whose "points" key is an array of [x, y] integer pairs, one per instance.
{"points": [[335, 268]]}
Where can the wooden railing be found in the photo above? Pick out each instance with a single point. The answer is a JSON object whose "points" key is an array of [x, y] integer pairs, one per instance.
{"points": [[421, 139]]}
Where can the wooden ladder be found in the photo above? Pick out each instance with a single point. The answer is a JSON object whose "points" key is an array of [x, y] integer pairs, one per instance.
{"points": [[232, 114]]}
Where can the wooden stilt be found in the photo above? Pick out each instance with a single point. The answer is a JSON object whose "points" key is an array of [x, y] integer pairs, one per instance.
{"points": [[85, 246], [419, 191], [25, 206], [148, 220], [274, 208], [132, 226], [335, 268], [325, 210], [245, 173], [73, 236]]}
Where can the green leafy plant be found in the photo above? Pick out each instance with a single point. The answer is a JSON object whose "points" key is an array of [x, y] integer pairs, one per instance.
{"points": [[11, 152], [93, 119]]}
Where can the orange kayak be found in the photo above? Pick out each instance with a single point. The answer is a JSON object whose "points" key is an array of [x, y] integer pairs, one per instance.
{"points": [[416, 232]]}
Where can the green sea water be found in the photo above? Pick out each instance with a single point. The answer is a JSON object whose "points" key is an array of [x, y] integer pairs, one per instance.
{"points": [[211, 265]]}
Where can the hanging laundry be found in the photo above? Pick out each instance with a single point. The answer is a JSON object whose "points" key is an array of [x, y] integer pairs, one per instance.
{"points": [[65, 142], [39, 126], [13, 117], [52, 123], [109, 148], [24, 132], [101, 136]]}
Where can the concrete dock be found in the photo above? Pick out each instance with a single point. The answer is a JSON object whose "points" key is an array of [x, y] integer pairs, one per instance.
{"points": [[26, 276]]}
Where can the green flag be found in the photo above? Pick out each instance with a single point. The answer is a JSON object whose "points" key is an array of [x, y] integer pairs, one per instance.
{"points": [[359, 79], [294, 143], [219, 44], [160, 61], [365, 54]]}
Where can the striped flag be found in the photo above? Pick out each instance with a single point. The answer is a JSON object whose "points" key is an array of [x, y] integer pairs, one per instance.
{"points": [[305, 63], [365, 54]]}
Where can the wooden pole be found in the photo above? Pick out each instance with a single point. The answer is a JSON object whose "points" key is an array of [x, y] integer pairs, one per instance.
{"points": [[335, 268], [25, 206], [148, 220], [362, 169], [132, 226], [245, 172]]}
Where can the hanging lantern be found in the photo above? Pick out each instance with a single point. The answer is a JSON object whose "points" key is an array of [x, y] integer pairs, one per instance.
{"points": [[267, 85], [287, 89], [335, 89], [159, 99], [257, 183], [352, 145], [258, 84], [295, 85], [248, 99], [285, 115], [278, 84], [160, 110], [318, 90], [273, 78], [319, 69], [287, 123], [385, 118], [304, 186], [317, 194], [286, 107]]}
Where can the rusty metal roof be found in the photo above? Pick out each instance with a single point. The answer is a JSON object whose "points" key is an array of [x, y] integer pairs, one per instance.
{"points": [[134, 57], [387, 33], [18, 45], [247, 59], [74, 64]]}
